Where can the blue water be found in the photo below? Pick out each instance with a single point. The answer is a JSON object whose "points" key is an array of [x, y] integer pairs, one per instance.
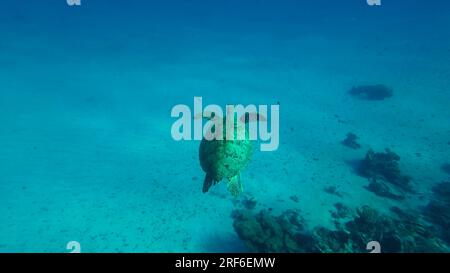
{"points": [[86, 152]]}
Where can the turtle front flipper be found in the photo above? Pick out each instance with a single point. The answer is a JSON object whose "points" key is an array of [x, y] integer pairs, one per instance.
{"points": [[234, 185], [207, 183]]}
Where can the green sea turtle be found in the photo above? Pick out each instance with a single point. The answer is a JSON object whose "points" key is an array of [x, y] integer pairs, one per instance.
{"points": [[224, 159]]}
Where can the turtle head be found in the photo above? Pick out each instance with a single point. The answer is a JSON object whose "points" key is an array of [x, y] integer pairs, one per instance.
{"points": [[207, 115], [252, 117]]}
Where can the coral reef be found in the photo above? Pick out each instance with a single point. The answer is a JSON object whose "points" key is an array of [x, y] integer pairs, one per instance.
{"points": [[341, 211], [351, 141], [340, 214], [383, 188], [396, 235], [371, 92], [263, 232], [383, 172], [438, 209]]}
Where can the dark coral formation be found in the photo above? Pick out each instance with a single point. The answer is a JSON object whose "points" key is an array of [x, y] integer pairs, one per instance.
{"points": [[438, 209], [341, 211], [383, 188], [383, 172], [263, 232], [371, 92], [249, 202], [382, 164], [405, 233], [351, 141], [332, 190]]}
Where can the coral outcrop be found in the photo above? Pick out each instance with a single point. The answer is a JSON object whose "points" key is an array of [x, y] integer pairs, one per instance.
{"points": [[384, 174], [351, 141], [438, 209], [371, 92], [263, 232]]}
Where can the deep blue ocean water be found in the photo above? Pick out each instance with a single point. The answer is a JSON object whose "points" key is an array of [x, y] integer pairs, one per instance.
{"points": [[86, 152]]}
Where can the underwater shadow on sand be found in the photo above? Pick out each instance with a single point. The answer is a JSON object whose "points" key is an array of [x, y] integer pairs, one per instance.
{"points": [[223, 244], [354, 165]]}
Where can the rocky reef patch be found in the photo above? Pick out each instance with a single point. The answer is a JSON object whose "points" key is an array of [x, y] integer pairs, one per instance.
{"points": [[438, 209], [384, 175], [265, 233], [371, 92], [288, 233], [351, 141]]}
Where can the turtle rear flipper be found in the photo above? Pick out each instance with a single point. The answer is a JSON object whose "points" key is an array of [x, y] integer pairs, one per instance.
{"points": [[234, 185], [207, 183]]}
